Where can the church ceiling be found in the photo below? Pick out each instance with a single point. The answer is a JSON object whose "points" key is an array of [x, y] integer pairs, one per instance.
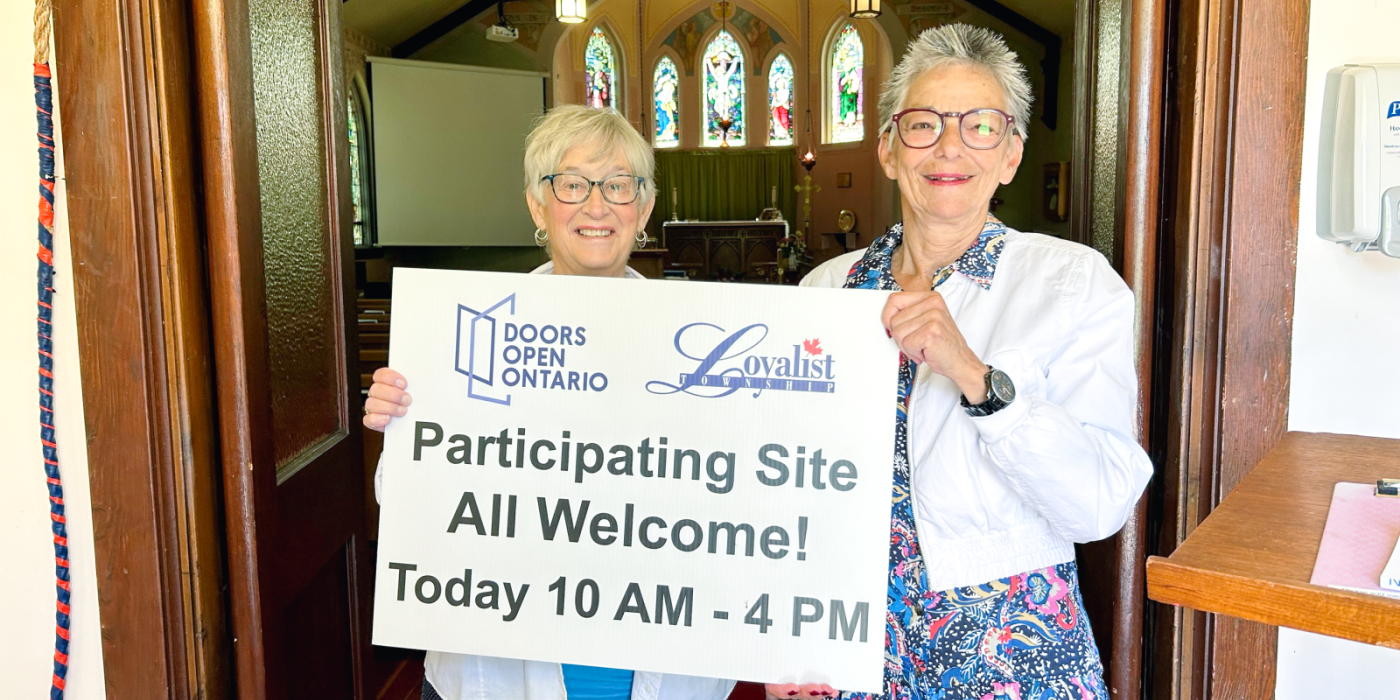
{"points": [[391, 21]]}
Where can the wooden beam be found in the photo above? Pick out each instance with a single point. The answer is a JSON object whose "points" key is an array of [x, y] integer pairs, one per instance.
{"points": [[441, 28]]}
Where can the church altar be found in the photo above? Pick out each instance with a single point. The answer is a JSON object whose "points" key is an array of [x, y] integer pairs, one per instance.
{"points": [[740, 251]]}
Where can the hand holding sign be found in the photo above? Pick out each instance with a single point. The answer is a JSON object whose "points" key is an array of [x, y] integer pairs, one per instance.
{"points": [[922, 326], [387, 399]]}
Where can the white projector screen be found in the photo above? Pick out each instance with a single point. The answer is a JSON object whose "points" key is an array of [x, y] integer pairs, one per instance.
{"points": [[449, 145]]}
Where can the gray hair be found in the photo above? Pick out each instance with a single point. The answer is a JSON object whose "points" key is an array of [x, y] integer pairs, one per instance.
{"points": [[567, 126], [959, 45]]}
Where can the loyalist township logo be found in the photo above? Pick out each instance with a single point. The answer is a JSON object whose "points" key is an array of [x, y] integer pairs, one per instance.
{"points": [[499, 352], [729, 361]]}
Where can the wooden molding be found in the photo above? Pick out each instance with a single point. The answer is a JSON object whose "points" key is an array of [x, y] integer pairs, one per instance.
{"points": [[1141, 216], [142, 334], [1234, 125]]}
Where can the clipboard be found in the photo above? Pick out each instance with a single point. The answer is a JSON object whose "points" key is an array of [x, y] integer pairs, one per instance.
{"points": [[1358, 540]]}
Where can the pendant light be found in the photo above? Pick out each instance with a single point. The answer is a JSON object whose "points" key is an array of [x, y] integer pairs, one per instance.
{"points": [[571, 11], [808, 159], [865, 9]]}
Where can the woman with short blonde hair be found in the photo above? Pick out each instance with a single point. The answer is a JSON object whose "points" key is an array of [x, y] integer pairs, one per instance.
{"points": [[588, 184]]}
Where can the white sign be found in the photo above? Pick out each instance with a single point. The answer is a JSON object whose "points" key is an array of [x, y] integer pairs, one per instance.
{"points": [[678, 477]]}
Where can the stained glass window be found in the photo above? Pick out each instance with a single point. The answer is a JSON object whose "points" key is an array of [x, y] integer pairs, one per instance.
{"points": [[600, 70], [780, 102], [666, 82], [724, 90], [846, 108], [355, 182]]}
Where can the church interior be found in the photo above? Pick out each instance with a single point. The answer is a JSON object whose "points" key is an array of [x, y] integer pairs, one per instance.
{"points": [[800, 83], [763, 116]]}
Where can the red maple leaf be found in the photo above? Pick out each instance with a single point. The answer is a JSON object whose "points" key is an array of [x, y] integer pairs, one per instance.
{"points": [[813, 346]]}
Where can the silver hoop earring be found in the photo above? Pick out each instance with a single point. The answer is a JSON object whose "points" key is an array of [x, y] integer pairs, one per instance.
{"points": [[642, 238], [541, 237]]}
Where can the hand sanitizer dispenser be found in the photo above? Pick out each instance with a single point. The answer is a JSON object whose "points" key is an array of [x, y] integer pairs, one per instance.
{"points": [[1358, 173]]}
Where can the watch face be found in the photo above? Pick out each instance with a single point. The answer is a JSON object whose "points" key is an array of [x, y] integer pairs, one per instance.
{"points": [[1002, 386]]}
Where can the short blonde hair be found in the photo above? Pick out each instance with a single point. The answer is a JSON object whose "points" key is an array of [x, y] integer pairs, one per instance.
{"points": [[959, 45], [567, 126]]}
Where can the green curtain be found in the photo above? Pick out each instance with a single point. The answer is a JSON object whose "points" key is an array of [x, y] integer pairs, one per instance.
{"points": [[724, 185]]}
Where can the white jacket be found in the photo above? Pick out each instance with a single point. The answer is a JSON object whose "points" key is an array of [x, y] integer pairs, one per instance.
{"points": [[467, 677], [1011, 492]]}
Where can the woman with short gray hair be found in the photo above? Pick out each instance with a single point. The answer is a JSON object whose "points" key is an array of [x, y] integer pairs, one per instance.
{"points": [[1014, 433]]}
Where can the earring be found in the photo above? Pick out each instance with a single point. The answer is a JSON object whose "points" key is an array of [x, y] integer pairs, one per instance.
{"points": [[541, 237], [642, 238]]}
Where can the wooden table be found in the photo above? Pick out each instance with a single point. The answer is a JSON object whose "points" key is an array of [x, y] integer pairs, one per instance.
{"points": [[1253, 556]]}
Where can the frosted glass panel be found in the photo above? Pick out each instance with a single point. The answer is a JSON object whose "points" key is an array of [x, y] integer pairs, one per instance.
{"points": [[298, 258]]}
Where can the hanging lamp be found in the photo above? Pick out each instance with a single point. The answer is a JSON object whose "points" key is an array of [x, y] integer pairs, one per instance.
{"points": [[865, 9], [809, 150], [571, 11]]}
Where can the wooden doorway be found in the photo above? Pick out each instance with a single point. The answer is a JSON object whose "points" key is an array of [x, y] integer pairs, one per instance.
{"points": [[180, 324], [214, 270]]}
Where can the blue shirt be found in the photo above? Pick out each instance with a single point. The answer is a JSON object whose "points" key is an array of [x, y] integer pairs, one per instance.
{"points": [[595, 683]]}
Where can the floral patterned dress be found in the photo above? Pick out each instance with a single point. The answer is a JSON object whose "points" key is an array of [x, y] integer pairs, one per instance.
{"points": [[1024, 637]]}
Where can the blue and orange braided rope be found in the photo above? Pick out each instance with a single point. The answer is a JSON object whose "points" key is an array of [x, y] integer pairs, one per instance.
{"points": [[43, 102]]}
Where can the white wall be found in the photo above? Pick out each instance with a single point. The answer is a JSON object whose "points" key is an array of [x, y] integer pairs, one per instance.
{"points": [[1346, 332], [26, 546]]}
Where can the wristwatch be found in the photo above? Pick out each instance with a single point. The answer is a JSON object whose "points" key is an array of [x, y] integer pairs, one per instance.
{"points": [[1000, 393]]}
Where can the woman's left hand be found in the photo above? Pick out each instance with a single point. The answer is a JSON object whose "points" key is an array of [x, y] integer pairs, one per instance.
{"points": [[925, 332]]}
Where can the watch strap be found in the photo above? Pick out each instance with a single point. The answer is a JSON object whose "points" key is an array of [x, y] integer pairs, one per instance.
{"points": [[993, 403]]}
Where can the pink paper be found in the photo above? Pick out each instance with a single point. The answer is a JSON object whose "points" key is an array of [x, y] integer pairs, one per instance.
{"points": [[1359, 538]]}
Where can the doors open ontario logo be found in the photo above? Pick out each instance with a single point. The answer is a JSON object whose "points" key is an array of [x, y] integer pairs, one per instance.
{"points": [[498, 352], [730, 361]]}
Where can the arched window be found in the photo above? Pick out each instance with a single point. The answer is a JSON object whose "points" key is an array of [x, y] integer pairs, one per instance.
{"points": [[666, 83], [600, 71], [723, 90], [356, 183], [780, 102], [846, 106]]}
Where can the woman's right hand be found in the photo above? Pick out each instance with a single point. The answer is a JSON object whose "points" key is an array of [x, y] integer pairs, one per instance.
{"points": [[793, 691], [387, 399]]}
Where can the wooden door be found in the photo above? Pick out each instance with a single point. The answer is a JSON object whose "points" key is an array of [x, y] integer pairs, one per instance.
{"points": [[272, 114]]}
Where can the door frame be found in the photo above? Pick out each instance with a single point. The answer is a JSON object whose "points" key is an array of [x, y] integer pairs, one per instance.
{"points": [[1119, 78], [132, 168], [1204, 79], [1226, 259]]}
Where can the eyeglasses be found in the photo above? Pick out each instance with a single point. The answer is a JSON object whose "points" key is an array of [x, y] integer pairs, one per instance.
{"points": [[981, 129], [575, 189]]}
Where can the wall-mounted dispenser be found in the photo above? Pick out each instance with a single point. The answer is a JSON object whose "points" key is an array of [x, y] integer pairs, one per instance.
{"points": [[1358, 168]]}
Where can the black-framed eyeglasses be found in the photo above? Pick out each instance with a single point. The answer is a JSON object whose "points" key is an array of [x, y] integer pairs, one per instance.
{"points": [[571, 188], [981, 129]]}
